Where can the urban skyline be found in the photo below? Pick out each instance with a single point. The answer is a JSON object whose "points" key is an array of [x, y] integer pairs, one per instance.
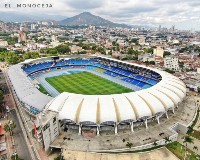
{"points": [[183, 14]]}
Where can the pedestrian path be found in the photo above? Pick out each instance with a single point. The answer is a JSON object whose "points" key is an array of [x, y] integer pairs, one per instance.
{"points": [[159, 154]]}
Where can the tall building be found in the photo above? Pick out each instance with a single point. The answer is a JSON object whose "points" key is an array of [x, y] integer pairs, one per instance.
{"points": [[171, 62], [159, 28], [173, 28], [21, 28], [22, 37], [159, 51], [32, 27]]}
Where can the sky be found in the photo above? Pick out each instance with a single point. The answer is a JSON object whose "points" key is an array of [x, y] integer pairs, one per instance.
{"points": [[184, 14]]}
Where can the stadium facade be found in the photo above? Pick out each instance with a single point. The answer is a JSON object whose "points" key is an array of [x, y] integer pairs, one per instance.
{"points": [[156, 93]]}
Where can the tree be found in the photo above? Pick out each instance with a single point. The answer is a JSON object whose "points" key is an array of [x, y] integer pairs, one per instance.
{"points": [[198, 89], [101, 50], [62, 49], [3, 49], [130, 51], [81, 52], [15, 157], [114, 43], [94, 47], [134, 40], [52, 51], [155, 143], [31, 55], [86, 47], [190, 130], [170, 71], [181, 64], [128, 144], [166, 53], [148, 50], [11, 40], [41, 40], [60, 157], [167, 140], [10, 57], [2, 102], [9, 127], [1, 98], [195, 148], [187, 139]]}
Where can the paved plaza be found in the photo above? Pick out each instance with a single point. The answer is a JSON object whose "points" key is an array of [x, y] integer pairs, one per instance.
{"points": [[159, 154]]}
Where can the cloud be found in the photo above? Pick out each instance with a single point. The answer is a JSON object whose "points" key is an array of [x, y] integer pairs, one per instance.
{"points": [[154, 12], [83, 4]]}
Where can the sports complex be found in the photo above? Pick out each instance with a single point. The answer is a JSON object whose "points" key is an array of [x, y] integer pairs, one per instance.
{"points": [[96, 91], [94, 94]]}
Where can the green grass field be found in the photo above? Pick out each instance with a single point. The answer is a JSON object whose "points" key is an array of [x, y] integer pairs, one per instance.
{"points": [[86, 83]]}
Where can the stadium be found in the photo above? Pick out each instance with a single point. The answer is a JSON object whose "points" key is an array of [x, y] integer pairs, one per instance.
{"points": [[96, 92]]}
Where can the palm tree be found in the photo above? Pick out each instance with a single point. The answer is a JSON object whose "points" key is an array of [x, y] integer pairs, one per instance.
{"points": [[195, 148], [128, 144], [167, 140], [187, 139], [155, 143], [8, 127], [190, 130]]}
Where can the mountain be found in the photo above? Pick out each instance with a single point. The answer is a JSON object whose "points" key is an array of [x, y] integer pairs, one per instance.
{"points": [[14, 17], [87, 18], [21, 17]]}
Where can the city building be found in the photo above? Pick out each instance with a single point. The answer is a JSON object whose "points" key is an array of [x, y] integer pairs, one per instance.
{"points": [[171, 62], [159, 51], [22, 37], [142, 41], [33, 27], [148, 57], [48, 128]]}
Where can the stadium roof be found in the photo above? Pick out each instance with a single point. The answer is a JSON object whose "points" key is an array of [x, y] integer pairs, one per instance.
{"points": [[120, 107], [26, 90], [166, 94]]}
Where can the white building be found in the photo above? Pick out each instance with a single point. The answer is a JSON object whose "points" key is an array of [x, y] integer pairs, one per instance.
{"points": [[48, 128], [158, 51], [171, 62], [33, 27], [198, 70]]}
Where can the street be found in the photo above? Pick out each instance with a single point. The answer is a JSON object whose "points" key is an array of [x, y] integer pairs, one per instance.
{"points": [[20, 143]]}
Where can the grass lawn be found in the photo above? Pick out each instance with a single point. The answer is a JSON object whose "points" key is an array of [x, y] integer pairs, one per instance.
{"points": [[175, 148], [86, 83]]}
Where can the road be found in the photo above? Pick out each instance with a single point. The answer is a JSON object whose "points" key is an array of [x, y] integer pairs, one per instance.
{"points": [[22, 146], [20, 143]]}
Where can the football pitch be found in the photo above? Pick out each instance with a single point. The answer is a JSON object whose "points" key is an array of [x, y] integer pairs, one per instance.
{"points": [[86, 83]]}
